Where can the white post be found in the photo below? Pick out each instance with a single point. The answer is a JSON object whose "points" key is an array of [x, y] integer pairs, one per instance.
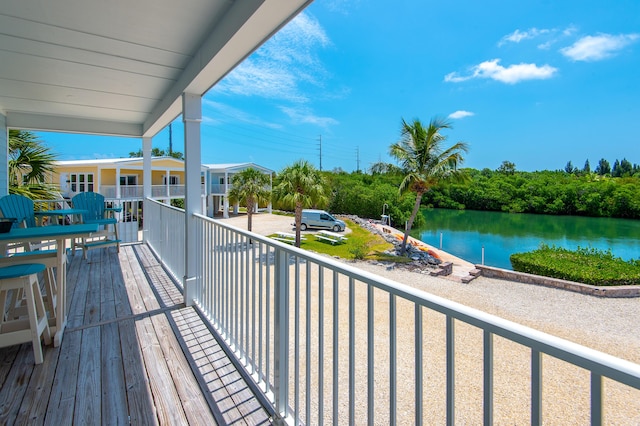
{"points": [[482, 255], [191, 116], [4, 155], [146, 183], [441, 241], [167, 181], [225, 207], [118, 190]]}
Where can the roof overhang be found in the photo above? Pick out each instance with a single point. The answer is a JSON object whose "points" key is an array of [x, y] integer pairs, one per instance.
{"points": [[119, 67]]}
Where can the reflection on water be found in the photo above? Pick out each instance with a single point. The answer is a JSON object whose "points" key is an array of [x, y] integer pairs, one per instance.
{"points": [[465, 232]]}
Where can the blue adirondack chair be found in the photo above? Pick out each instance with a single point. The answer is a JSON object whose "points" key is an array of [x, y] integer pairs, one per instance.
{"points": [[95, 212], [20, 208]]}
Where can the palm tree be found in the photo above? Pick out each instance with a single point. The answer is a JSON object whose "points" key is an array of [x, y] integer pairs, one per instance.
{"points": [[301, 186], [250, 187], [30, 163], [425, 161]]}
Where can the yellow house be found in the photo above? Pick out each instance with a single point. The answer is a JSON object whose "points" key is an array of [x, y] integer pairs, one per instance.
{"points": [[120, 178]]}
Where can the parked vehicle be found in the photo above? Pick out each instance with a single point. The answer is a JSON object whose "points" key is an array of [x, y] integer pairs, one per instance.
{"points": [[320, 219]]}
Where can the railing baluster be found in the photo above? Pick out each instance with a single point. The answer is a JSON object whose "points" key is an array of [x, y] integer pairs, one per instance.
{"points": [[450, 370], [321, 345], [336, 360], [296, 344], [352, 351], [260, 312], [254, 264], [393, 365], [488, 377], [536, 387], [596, 399], [281, 332], [267, 349], [370, 359], [418, 364], [307, 380]]}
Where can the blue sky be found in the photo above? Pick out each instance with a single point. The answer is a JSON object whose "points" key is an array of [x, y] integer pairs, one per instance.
{"points": [[537, 83]]}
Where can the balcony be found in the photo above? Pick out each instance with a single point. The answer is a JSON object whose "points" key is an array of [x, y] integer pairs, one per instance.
{"points": [[279, 332], [135, 192]]}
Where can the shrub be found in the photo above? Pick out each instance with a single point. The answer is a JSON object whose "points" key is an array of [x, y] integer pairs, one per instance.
{"points": [[584, 265], [359, 250]]}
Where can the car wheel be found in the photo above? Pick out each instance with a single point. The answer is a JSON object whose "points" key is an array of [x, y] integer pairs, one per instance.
{"points": [[303, 227], [336, 228]]}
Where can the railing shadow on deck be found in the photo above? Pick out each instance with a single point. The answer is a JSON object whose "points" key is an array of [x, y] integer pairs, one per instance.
{"points": [[327, 342]]}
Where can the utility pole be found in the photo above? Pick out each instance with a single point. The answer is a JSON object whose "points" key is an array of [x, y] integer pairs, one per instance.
{"points": [[358, 159], [170, 141], [320, 139]]}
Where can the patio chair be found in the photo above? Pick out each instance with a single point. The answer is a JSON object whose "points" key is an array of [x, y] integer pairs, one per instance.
{"points": [[96, 212], [24, 278], [21, 209]]}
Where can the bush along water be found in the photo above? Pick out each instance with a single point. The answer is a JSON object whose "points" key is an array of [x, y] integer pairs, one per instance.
{"points": [[584, 265]]}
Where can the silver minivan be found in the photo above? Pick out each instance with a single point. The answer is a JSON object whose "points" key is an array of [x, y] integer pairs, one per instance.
{"points": [[320, 219]]}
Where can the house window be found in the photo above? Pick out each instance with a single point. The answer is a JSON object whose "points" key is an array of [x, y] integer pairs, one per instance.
{"points": [[128, 180], [173, 180], [81, 182]]}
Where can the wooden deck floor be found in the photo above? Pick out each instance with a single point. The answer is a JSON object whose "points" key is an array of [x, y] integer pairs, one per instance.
{"points": [[132, 353]]}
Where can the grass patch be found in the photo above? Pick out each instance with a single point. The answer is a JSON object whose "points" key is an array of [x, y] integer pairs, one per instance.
{"points": [[584, 265], [358, 241]]}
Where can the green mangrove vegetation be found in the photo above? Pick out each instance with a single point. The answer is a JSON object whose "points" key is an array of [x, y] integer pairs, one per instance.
{"points": [[584, 265]]}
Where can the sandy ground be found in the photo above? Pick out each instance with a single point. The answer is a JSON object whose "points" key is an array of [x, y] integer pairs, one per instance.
{"points": [[607, 325]]}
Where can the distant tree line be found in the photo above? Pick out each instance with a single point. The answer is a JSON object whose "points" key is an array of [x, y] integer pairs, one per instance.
{"points": [[563, 192], [504, 189], [621, 168]]}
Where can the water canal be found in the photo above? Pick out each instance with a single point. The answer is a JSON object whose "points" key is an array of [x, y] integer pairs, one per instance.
{"points": [[464, 233]]}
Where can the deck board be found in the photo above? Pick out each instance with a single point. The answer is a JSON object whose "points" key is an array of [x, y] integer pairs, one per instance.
{"points": [[131, 353]]}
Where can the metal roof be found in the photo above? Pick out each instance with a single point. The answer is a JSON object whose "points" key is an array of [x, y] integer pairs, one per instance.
{"points": [[119, 67]]}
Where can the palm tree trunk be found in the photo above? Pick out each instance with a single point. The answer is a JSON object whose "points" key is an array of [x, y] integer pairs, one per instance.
{"points": [[414, 213], [298, 220], [249, 213]]}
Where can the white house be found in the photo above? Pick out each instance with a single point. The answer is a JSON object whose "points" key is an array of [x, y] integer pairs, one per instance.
{"points": [[218, 184]]}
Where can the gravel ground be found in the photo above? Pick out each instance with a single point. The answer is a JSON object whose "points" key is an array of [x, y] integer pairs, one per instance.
{"points": [[607, 325]]}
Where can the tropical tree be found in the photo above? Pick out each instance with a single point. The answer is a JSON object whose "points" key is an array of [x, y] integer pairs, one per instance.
{"points": [[425, 161], [157, 152], [31, 162], [300, 186], [250, 187]]}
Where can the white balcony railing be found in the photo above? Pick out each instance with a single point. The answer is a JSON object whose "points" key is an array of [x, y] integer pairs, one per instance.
{"points": [[329, 343], [136, 191]]}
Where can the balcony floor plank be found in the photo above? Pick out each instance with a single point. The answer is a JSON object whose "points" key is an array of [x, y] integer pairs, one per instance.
{"points": [[131, 353]]}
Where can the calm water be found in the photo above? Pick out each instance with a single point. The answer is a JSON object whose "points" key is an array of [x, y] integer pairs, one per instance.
{"points": [[464, 233]]}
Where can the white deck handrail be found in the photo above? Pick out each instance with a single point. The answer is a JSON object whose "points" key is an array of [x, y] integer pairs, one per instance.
{"points": [[270, 302]]}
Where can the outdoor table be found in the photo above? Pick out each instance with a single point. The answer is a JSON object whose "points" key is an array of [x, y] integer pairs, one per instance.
{"points": [[60, 234]]}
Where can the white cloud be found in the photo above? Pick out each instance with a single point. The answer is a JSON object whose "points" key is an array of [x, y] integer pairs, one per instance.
{"points": [[517, 36], [510, 75], [460, 114], [224, 112], [284, 66], [304, 116], [595, 48]]}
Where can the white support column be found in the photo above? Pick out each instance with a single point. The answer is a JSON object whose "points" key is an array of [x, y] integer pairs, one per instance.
{"points": [[225, 207], [146, 183], [191, 116], [118, 190], [4, 156], [167, 181]]}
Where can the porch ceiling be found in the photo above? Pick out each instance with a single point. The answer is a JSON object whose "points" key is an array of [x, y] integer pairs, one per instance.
{"points": [[119, 67]]}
